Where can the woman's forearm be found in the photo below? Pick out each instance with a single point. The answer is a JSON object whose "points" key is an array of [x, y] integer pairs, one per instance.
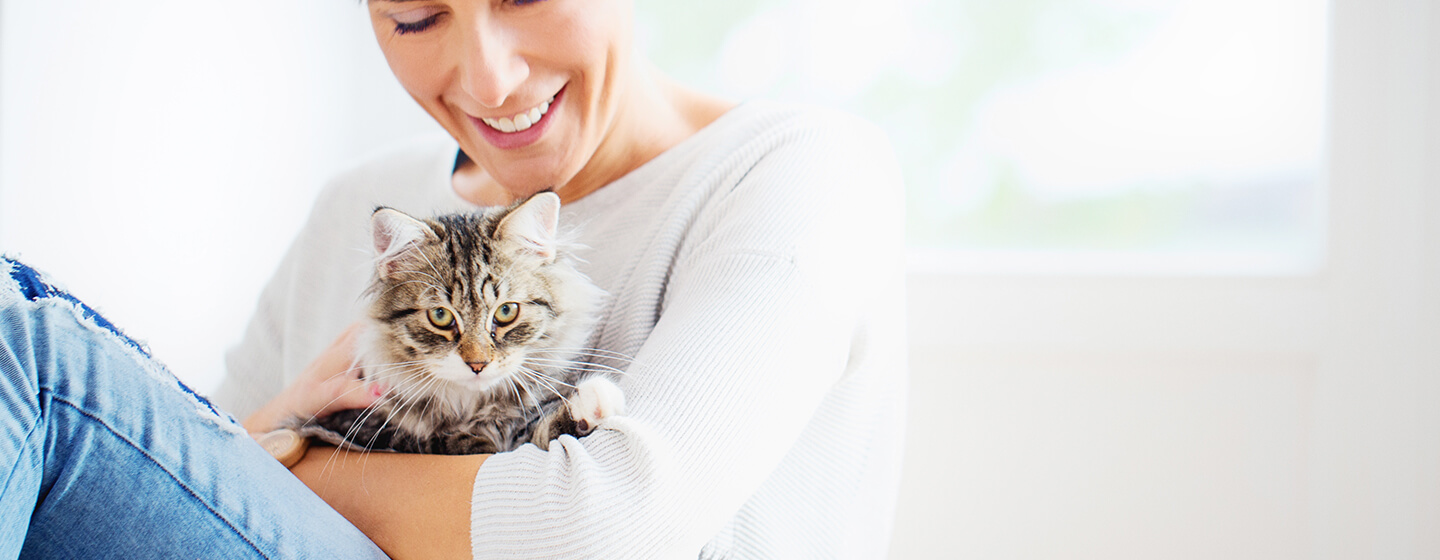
{"points": [[412, 506]]}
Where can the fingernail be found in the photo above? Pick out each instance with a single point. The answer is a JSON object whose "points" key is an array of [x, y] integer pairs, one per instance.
{"points": [[376, 390]]}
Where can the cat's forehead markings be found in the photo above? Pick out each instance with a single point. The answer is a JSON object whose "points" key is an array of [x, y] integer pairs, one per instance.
{"points": [[494, 286]]}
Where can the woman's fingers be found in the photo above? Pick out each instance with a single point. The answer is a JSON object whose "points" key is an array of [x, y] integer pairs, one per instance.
{"points": [[354, 393], [336, 380], [332, 382]]}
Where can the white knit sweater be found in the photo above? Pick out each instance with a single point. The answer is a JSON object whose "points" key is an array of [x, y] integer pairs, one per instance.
{"points": [[756, 277]]}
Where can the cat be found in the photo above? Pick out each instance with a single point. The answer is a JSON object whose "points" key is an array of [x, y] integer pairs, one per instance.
{"points": [[476, 322]]}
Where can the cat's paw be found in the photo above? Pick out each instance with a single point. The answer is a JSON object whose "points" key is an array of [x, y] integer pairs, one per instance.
{"points": [[596, 399]]}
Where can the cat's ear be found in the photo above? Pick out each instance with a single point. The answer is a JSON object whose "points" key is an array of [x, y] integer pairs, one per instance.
{"points": [[397, 238], [531, 226]]}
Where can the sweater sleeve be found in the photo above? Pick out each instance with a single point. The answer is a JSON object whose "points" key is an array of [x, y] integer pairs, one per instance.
{"points": [[310, 299], [759, 321], [254, 369]]}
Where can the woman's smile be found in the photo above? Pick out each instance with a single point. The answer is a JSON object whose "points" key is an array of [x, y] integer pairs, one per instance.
{"points": [[531, 90], [521, 129], [539, 94]]}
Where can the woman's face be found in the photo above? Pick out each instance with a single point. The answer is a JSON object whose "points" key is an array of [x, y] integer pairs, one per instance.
{"points": [[529, 88]]}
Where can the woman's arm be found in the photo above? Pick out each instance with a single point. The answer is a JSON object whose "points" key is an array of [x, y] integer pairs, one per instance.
{"points": [[412, 506], [774, 306]]}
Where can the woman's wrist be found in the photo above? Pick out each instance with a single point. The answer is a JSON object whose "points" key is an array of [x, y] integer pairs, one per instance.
{"points": [[269, 427], [285, 445], [273, 415]]}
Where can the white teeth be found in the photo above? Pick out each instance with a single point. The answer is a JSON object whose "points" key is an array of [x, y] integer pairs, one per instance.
{"points": [[520, 121]]}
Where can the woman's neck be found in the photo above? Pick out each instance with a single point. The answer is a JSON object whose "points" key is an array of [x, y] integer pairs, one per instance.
{"points": [[658, 114]]}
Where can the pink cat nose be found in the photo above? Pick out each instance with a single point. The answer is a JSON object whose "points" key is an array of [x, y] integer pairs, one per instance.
{"points": [[477, 366]]}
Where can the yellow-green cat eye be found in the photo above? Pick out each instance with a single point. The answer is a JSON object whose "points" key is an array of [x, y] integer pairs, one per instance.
{"points": [[442, 317], [506, 313]]}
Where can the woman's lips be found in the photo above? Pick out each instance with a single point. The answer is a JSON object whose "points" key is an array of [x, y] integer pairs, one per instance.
{"points": [[534, 120]]}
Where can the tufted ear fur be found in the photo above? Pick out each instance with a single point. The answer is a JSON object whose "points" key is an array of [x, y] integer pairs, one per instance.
{"points": [[397, 239], [530, 227]]}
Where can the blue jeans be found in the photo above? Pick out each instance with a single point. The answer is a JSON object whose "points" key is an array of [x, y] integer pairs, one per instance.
{"points": [[105, 454]]}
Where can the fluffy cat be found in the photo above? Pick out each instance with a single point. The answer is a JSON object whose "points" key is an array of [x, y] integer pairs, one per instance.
{"points": [[475, 325]]}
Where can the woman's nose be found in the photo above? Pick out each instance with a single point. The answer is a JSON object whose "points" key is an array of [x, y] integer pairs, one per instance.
{"points": [[492, 66]]}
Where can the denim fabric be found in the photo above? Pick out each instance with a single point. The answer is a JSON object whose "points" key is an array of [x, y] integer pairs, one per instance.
{"points": [[105, 454]]}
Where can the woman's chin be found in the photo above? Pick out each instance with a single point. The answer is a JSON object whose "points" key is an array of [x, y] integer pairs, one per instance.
{"points": [[520, 186]]}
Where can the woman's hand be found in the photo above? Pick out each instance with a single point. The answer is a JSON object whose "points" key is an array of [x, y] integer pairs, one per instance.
{"points": [[412, 505], [330, 383]]}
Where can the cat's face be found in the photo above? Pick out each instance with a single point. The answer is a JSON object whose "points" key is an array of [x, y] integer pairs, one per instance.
{"points": [[473, 301]]}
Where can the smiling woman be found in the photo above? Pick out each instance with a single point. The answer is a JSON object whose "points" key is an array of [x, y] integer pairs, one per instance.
{"points": [[496, 75], [765, 385]]}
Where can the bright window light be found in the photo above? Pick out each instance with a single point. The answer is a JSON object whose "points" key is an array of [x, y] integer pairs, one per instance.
{"points": [[1104, 136]]}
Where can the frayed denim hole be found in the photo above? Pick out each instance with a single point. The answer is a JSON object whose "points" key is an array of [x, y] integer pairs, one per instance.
{"points": [[33, 285]]}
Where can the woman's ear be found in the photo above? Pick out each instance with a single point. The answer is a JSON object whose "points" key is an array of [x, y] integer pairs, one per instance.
{"points": [[531, 226], [397, 238]]}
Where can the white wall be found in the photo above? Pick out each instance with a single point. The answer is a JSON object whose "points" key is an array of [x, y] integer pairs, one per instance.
{"points": [[157, 157], [1223, 417]]}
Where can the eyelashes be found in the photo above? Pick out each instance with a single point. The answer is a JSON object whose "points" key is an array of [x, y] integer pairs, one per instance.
{"points": [[408, 27]]}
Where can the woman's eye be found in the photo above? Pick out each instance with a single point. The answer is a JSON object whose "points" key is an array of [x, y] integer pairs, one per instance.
{"points": [[442, 317], [506, 313], [414, 21]]}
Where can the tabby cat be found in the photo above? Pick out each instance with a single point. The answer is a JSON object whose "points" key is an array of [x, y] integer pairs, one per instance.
{"points": [[476, 326]]}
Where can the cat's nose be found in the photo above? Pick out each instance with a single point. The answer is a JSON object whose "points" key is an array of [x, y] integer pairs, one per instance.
{"points": [[477, 366]]}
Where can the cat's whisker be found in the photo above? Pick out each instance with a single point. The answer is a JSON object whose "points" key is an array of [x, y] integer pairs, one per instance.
{"points": [[430, 405], [589, 348], [431, 264], [533, 380], [572, 364], [378, 373], [587, 351], [381, 370], [337, 398], [409, 401], [408, 282], [406, 396], [364, 417], [350, 433], [396, 370], [425, 407], [396, 395], [580, 367], [521, 401], [547, 376], [510, 381], [543, 380], [435, 277]]}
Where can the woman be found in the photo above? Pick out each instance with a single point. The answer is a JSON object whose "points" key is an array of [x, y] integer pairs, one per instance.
{"points": [[751, 254]]}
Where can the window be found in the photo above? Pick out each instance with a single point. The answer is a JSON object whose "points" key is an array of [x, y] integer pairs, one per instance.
{"points": [[1056, 135]]}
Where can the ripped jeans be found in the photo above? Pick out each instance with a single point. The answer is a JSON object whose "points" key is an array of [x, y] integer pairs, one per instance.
{"points": [[105, 454]]}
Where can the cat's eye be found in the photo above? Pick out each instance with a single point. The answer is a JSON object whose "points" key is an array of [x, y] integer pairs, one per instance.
{"points": [[506, 313], [442, 317]]}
